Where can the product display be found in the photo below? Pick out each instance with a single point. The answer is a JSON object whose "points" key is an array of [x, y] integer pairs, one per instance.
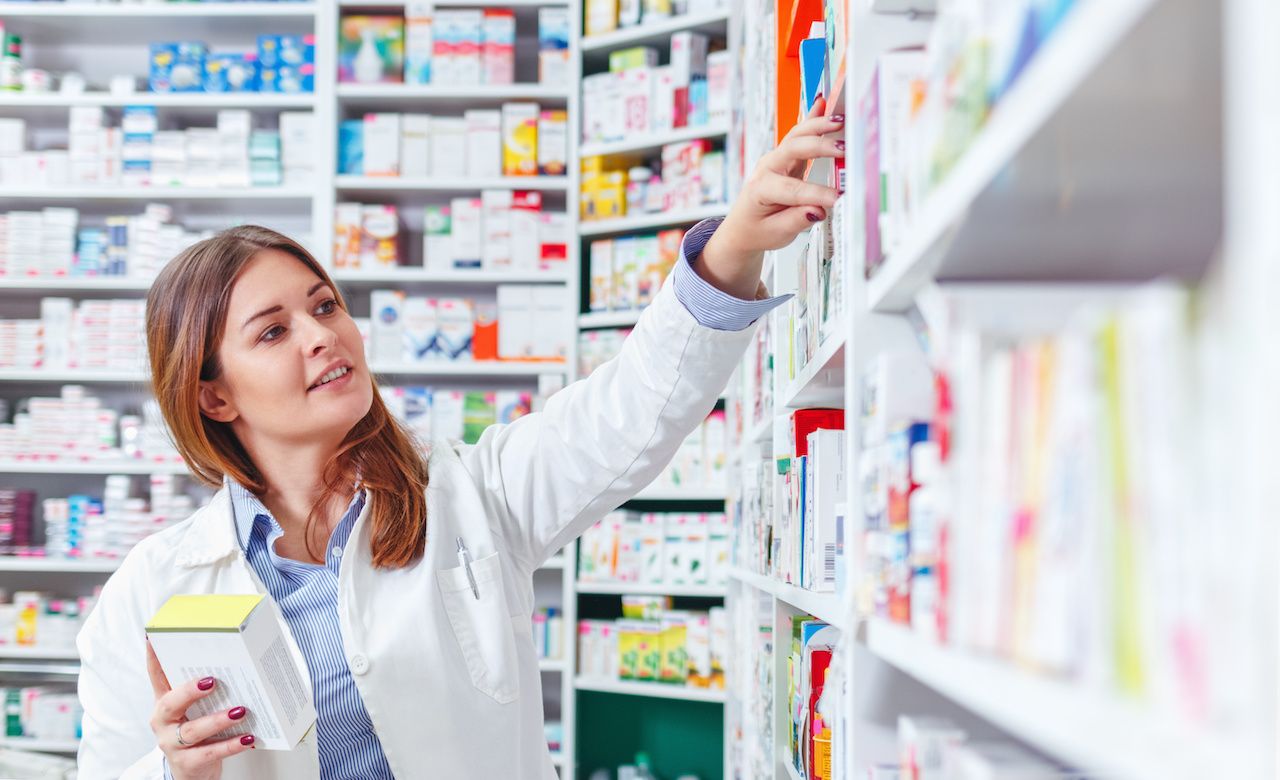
{"points": [[627, 273], [520, 139], [139, 153], [656, 549], [658, 645], [686, 176], [439, 413]]}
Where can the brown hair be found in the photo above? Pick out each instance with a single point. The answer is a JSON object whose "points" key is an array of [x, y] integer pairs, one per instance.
{"points": [[186, 315]]}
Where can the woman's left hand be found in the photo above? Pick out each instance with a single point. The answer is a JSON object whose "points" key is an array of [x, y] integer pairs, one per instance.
{"points": [[775, 205]]}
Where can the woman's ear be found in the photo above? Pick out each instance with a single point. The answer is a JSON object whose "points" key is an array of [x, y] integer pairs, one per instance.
{"points": [[215, 405]]}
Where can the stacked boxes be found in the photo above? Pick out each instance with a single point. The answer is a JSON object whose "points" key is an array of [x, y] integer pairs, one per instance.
{"points": [[16, 519], [656, 549], [665, 646], [691, 174], [436, 413], [281, 63], [77, 427], [520, 139], [38, 242], [627, 273]]}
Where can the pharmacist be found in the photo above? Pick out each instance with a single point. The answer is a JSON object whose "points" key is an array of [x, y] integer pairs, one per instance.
{"points": [[419, 654]]}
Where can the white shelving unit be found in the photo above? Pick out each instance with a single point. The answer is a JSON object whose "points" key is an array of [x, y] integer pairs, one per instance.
{"points": [[71, 31], [643, 589], [613, 227], [1064, 184], [653, 690]]}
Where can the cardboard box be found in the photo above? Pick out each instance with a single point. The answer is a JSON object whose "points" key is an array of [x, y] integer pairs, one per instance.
{"points": [[553, 239], [419, 45], [381, 144], [553, 46], [524, 234], [515, 321], [601, 264], [467, 233], [449, 147], [421, 329], [484, 143], [553, 143], [239, 640], [415, 145], [499, 46], [496, 226], [437, 238], [520, 139], [386, 325]]}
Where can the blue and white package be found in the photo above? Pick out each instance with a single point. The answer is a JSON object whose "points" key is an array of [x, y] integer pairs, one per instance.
{"points": [[231, 73], [177, 67]]}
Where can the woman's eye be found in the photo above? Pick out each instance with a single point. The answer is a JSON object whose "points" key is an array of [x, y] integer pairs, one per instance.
{"points": [[273, 333], [328, 307]]}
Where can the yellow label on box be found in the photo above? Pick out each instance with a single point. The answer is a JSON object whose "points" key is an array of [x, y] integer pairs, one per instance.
{"points": [[207, 612]]}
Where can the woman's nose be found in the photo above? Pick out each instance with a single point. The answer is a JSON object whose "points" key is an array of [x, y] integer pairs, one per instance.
{"points": [[321, 339]]}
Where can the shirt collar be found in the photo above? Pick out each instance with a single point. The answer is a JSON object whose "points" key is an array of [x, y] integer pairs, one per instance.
{"points": [[247, 508]]}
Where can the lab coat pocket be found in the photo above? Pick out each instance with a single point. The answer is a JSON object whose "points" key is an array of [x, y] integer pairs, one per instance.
{"points": [[482, 626]]}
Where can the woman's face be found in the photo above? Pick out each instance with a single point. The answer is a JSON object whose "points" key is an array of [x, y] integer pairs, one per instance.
{"points": [[285, 336]]}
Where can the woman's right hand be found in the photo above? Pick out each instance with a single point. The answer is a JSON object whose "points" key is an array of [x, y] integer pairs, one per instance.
{"points": [[199, 756]]}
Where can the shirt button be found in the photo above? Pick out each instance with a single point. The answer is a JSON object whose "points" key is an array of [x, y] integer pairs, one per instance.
{"points": [[359, 663], [337, 552]]}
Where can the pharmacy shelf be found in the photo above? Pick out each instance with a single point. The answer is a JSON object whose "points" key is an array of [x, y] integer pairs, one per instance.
{"points": [[791, 772], [388, 184], [655, 33], [156, 193], [415, 95], [74, 284], [827, 607], [41, 745], [605, 227], [655, 493], [551, 665], [209, 100], [83, 376], [90, 467], [376, 276], [36, 652], [654, 690], [648, 144], [1103, 735], [821, 381], [58, 565], [660, 589], [183, 11], [484, 368], [1036, 196], [609, 319]]}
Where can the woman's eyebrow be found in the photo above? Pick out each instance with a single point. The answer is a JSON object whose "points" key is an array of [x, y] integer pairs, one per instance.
{"points": [[278, 307]]}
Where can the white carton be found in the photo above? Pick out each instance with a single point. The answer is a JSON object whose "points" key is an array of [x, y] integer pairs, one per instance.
{"points": [[381, 144], [484, 142], [448, 146], [415, 146], [386, 325], [421, 329], [515, 321], [239, 641], [467, 232], [496, 224]]}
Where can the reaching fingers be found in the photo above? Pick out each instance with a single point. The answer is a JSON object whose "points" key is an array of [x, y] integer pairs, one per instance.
{"points": [[794, 151], [795, 220], [776, 189]]}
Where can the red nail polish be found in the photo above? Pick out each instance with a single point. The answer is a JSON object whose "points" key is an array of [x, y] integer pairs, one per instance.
{"points": [[840, 145], [247, 739], [205, 684], [236, 713], [812, 217], [837, 117]]}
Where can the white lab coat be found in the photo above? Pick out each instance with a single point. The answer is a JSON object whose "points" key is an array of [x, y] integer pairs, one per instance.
{"points": [[451, 683]]}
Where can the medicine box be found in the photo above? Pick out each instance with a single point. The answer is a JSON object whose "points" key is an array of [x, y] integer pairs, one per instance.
{"points": [[177, 67], [371, 49], [520, 139], [239, 641], [419, 43], [386, 325]]}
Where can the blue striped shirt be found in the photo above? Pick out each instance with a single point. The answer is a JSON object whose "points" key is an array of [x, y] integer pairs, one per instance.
{"points": [[308, 593]]}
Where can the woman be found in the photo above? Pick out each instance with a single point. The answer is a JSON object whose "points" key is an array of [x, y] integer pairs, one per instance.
{"points": [[418, 666]]}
